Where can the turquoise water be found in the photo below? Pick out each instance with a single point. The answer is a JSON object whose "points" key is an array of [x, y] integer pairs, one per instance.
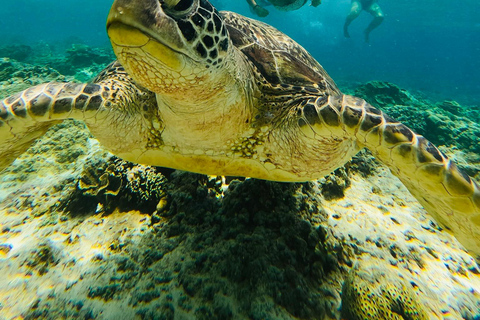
{"points": [[84, 235], [431, 46]]}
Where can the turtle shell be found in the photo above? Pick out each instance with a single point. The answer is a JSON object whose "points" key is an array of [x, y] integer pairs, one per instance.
{"points": [[279, 59]]}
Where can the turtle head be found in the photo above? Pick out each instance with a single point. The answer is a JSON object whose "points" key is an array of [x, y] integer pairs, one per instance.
{"points": [[175, 48]]}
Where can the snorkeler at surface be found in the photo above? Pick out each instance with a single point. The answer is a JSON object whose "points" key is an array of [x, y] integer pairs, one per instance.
{"points": [[284, 5], [372, 7]]}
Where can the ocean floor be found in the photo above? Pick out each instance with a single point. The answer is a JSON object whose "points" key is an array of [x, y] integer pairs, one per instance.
{"points": [[86, 235]]}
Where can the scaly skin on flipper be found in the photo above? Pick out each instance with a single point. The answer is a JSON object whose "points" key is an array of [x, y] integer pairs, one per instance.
{"points": [[222, 94], [448, 193], [27, 115]]}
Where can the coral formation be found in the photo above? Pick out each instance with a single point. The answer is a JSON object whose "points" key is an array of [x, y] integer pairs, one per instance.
{"points": [[109, 184], [16, 76], [79, 62], [19, 52], [81, 56], [374, 294], [264, 250], [86, 235], [444, 123], [455, 128], [82, 61], [383, 94]]}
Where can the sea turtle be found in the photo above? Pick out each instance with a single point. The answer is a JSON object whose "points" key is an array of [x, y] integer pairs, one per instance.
{"points": [[218, 93]]}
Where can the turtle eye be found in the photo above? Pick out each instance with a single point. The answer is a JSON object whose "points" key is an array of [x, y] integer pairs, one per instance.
{"points": [[183, 5], [177, 7]]}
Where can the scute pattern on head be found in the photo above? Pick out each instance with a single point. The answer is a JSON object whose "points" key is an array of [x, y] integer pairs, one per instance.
{"points": [[203, 30], [279, 59]]}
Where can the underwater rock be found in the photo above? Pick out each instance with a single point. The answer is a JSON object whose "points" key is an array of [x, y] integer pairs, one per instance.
{"points": [[82, 57], [57, 159], [452, 106], [371, 294], [86, 235], [333, 185], [80, 61], [110, 183], [17, 52], [445, 123], [16, 76], [11, 69], [382, 94], [7, 68]]}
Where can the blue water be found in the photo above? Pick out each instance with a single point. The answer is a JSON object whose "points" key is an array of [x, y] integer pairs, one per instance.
{"points": [[428, 45]]}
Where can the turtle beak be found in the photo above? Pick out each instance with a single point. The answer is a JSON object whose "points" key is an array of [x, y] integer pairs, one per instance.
{"points": [[190, 27], [170, 46], [141, 28], [133, 22]]}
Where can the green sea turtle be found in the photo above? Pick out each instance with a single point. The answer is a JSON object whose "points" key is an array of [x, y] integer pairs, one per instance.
{"points": [[217, 93]]}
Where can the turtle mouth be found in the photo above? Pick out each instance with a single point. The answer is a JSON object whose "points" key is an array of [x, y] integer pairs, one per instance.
{"points": [[125, 37], [192, 30]]}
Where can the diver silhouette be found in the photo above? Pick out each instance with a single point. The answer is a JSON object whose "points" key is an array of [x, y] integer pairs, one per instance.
{"points": [[372, 7]]}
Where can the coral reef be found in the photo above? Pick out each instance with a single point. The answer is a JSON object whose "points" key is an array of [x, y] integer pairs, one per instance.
{"points": [[17, 76], [374, 294], [383, 94], [109, 184], [445, 123], [81, 56], [114, 239], [78, 62], [83, 62], [19, 52], [84, 234]]}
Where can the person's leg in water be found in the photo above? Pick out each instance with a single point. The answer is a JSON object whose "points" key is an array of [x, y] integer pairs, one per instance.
{"points": [[377, 14], [257, 8], [355, 10]]}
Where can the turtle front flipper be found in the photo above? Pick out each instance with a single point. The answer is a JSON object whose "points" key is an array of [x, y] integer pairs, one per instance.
{"points": [[106, 106], [448, 193], [27, 115]]}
